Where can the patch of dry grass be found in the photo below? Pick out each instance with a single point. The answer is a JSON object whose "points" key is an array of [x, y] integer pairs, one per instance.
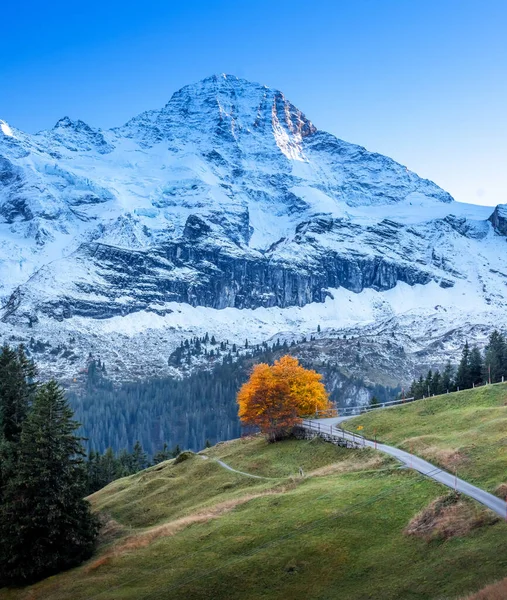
{"points": [[146, 538], [447, 517], [110, 529], [372, 462], [450, 458], [501, 492], [495, 591]]}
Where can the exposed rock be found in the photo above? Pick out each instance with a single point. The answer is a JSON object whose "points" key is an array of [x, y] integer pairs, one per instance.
{"points": [[499, 219]]}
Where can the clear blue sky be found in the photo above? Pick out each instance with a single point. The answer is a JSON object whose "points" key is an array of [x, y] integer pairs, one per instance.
{"points": [[423, 81]]}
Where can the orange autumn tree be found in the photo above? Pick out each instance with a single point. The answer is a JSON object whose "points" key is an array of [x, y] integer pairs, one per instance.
{"points": [[276, 397]]}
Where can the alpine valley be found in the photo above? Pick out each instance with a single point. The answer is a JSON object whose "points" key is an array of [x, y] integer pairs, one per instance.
{"points": [[228, 212]]}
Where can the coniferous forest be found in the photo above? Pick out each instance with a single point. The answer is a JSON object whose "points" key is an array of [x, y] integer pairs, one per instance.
{"points": [[475, 368]]}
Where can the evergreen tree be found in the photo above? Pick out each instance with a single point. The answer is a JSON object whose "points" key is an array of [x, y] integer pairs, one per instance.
{"points": [[45, 524], [123, 465], [436, 387], [139, 458], [476, 366], [93, 473], [463, 375], [495, 357], [418, 391], [428, 383], [162, 455], [447, 381], [17, 388], [108, 467]]}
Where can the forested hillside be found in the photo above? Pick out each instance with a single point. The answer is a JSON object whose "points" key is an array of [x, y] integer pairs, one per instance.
{"points": [[190, 411]]}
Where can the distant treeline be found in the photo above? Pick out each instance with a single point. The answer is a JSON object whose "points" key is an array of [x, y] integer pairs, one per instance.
{"points": [[185, 412], [475, 368], [101, 469]]}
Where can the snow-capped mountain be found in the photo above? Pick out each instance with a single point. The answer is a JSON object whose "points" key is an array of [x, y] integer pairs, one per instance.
{"points": [[228, 211]]}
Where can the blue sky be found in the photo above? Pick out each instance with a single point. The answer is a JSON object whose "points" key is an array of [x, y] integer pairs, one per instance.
{"points": [[422, 81]]}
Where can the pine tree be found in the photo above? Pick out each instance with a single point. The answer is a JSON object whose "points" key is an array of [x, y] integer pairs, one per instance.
{"points": [[139, 458], [495, 357], [476, 366], [17, 388], [162, 455], [93, 474], [447, 382], [436, 387], [122, 465], [108, 467], [428, 383], [463, 375], [45, 524], [419, 388]]}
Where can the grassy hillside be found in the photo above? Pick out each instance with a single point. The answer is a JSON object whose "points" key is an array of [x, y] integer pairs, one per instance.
{"points": [[192, 529], [466, 431]]}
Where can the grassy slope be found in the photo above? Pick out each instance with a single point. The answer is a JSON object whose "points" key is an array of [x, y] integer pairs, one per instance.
{"points": [[335, 534], [466, 431]]}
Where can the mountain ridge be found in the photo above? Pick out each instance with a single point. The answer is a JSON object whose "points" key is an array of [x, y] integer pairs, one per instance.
{"points": [[229, 199]]}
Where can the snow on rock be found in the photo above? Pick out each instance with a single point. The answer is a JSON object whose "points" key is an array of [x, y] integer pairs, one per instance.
{"points": [[227, 210], [6, 130]]}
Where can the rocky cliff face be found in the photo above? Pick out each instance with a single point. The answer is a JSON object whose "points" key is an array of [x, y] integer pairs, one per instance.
{"points": [[499, 219], [225, 209], [218, 281]]}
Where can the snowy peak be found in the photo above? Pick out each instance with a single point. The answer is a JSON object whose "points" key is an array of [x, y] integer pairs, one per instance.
{"points": [[5, 129], [228, 109], [229, 201], [74, 136], [242, 104]]}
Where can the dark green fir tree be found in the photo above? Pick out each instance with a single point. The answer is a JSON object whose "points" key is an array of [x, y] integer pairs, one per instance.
{"points": [[45, 524], [139, 458], [162, 455], [476, 366], [495, 358], [463, 375]]}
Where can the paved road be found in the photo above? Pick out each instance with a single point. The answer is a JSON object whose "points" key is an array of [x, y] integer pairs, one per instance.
{"points": [[497, 505]]}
